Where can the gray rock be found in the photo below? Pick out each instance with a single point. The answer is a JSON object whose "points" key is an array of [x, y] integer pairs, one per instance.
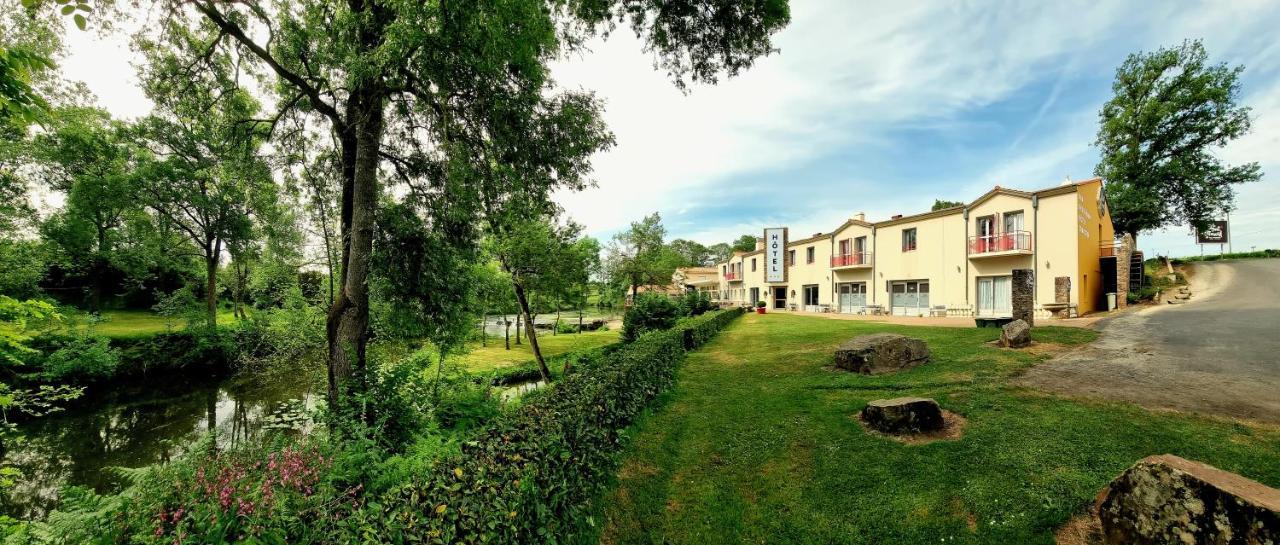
{"points": [[1015, 334], [881, 353], [1167, 499], [903, 414]]}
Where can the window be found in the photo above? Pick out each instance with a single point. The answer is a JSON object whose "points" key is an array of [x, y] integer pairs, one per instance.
{"points": [[845, 246], [808, 255], [909, 239], [811, 295], [860, 245], [753, 264], [1013, 222], [791, 257], [986, 226], [724, 269]]}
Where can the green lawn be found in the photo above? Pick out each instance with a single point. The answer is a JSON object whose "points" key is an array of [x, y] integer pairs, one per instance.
{"points": [[758, 443], [482, 358], [131, 323]]}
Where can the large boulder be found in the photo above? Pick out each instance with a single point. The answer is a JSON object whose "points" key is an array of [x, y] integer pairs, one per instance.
{"points": [[903, 414], [1167, 499], [1015, 334], [881, 353]]}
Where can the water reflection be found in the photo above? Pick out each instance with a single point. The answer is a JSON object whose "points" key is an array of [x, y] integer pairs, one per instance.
{"points": [[135, 426]]}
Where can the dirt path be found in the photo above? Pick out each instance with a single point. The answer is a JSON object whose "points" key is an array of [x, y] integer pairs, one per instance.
{"points": [[1219, 354]]}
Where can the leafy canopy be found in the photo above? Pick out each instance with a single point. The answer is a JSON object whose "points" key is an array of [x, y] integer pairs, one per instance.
{"points": [[1171, 112]]}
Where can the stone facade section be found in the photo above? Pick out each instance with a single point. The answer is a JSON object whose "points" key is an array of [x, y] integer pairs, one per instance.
{"points": [[1166, 499], [880, 353], [1062, 289], [1123, 255], [903, 414], [1024, 295]]}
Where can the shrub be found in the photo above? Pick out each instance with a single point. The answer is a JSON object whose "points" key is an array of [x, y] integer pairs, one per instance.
{"points": [[1145, 293], [694, 303], [81, 358], [532, 475], [648, 312], [566, 327]]}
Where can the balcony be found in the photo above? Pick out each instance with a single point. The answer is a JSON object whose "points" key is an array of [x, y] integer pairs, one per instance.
{"points": [[1000, 244], [733, 276], [851, 261]]}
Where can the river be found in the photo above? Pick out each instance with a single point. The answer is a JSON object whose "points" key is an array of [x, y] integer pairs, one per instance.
{"points": [[135, 426]]}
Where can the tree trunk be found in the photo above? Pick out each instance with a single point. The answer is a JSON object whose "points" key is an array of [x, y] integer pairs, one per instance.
{"points": [[484, 334], [506, 326], [555, 328], [519, 317], [348, 320], [211, 283], [579, 320], [532, 332]]}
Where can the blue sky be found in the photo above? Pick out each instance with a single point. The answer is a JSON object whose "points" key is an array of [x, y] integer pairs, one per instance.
{"points": [[881, 108], [877, 108]]}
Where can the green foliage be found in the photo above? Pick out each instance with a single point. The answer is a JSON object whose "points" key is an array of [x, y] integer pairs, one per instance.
{"points": [[1260, 254], [177, 308], [1159, 137], [649, 312], [532, 475], [81, 358], [693, 254], [18, 101], [694, 303], [745, 243], [939, 204], [24, 263], [639, 257]]}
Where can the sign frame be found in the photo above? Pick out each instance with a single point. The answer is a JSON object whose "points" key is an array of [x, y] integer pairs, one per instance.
{"points": [[1219, 232], [775, 255]]}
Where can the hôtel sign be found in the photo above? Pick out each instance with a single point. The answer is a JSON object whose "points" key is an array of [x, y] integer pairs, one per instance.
{"points": [[775, 253]]}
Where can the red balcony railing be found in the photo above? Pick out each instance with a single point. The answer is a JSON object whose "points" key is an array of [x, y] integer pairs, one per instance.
{"points": [[733, 276], [849, 260], [1000, 242]]}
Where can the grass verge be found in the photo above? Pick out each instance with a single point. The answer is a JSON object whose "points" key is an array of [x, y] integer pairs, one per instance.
{"points": [[758, 443]]}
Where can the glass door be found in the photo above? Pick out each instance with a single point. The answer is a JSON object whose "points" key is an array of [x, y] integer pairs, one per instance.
{"points": [[780, 298], [853, 297], [995, 296], [909, 298]]}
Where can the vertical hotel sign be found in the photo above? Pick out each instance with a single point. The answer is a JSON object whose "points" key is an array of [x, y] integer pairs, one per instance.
{"points": [[775, 255]]}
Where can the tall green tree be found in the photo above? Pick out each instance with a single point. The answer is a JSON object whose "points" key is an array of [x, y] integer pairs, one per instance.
{"points": [[392, 80], [639, 256], [744, 243], [546, 260], [89, 158], [1171, 112], [692, 253], [939, 204], [204, 173]]}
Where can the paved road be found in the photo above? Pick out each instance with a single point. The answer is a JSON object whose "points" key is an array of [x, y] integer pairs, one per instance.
{"points": [[1218, 354]]}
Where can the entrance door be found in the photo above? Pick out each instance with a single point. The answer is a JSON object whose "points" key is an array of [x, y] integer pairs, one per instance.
{"points": [[780, 298], [853, 297], [755, 297], [909, 298], [995, 296]]}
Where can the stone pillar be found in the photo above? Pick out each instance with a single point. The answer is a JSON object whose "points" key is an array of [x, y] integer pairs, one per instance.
{"points": [[1062, 289], [1024, 295], [1123, 254]]}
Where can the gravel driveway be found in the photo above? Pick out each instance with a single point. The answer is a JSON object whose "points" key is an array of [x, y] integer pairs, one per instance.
{"points": [[1218, 354]]}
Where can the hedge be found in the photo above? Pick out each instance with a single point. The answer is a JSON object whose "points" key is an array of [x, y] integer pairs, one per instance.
{"points": [[531, 476]]}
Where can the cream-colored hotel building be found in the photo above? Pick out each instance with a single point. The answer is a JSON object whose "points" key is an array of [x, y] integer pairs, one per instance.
{"points": [[957, 261]]}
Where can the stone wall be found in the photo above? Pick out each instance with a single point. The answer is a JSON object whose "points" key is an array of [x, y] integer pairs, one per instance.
{"points": [[1024, 290]]}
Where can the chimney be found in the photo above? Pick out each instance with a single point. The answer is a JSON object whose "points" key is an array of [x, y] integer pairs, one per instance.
{"points": [[759, 243], [860, 216], [896, 217], [1067, 181], [816, 235]]}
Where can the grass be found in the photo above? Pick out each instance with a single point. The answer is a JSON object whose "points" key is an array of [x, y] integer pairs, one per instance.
{"points": [[759, 443], [481, 358], [129, 324]]}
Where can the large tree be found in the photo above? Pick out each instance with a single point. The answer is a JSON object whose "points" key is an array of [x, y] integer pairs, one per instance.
{"points": [[88, 157], [638, 256], [203, 172], [396, 82], [1159, 134], [544, 259]]}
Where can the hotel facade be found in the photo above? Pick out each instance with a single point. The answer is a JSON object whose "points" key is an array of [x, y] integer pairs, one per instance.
{"points": [[957, 261]]}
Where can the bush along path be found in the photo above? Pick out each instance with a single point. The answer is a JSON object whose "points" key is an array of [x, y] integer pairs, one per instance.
{"points": [[532, 476]]}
